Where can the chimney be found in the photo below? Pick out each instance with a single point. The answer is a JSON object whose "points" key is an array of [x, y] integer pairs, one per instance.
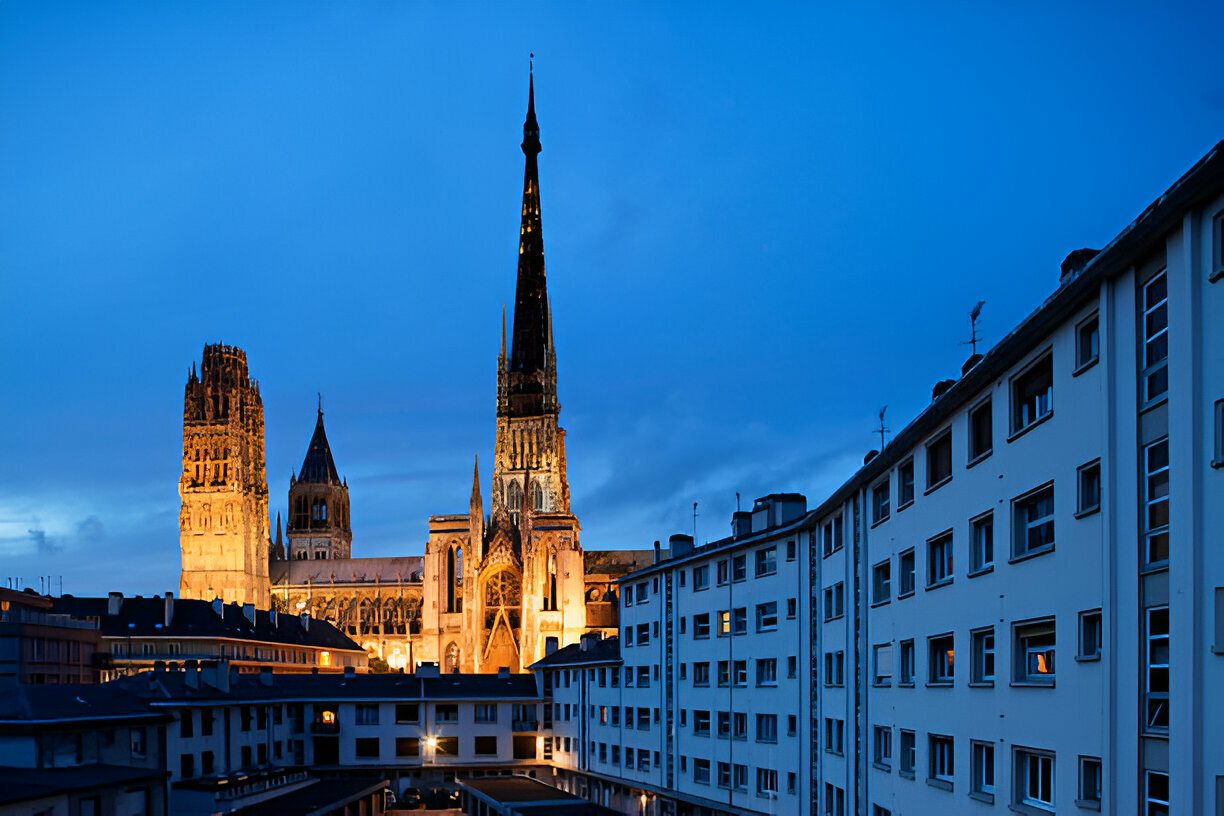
{"points": [[114, 602], [218, 607], [350, 672], [587, 642], [658, 552], [503, 672], [871, 454], [1076, 260], [941, 388], [265, 676], [680, 545], [973, 360], [248, 612], [191, 674], [168, 616], [305, 619], [741, 523]]}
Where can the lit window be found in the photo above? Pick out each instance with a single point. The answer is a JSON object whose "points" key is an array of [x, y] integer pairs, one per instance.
{"points": [[1034, 656], [1154, 376], [942, 660]]}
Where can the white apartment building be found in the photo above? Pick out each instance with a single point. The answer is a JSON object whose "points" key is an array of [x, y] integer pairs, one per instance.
{"points": [[1021, 599], [702, 709]]}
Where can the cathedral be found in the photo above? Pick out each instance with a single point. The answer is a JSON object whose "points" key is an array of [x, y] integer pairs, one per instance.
{"points": [[492, 590]]}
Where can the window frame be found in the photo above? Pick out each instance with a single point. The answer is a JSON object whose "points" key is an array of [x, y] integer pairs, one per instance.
{"points": [[1149, 532], [881, 747], [902, 500], [1082, 764], [1017, 505], [940, 773], [905, 647], [982, 771], [1022, 650], [907, 755], [1083, 510], [881, 510], [1023, 768], [975, 456], [1086, 618], [979, 522], [936, 440], [1152, 668], [948, 561], [978, 657], [881, 664], [935, 646], [1082, 362], [910, 554], [1014, 425], [1146, 370], [881, 591]]}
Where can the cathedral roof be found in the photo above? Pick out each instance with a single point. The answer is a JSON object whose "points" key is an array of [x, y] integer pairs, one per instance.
{"points": [[318, 467]]}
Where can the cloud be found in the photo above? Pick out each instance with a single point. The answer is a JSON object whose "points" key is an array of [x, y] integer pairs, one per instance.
{"points": [[43, 545]]}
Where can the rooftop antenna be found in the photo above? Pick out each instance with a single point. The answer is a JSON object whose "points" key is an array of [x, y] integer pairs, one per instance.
{"points": [[694, 523], [974, 314], [737, 501], [319, 394], [882, 430]]}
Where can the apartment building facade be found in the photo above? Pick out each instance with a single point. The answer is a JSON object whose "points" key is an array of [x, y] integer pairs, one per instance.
{"points": [[1019, 602]]}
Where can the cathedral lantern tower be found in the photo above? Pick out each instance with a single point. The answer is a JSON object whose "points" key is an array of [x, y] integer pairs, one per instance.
{"points": [[319, 505], [223, 523]]}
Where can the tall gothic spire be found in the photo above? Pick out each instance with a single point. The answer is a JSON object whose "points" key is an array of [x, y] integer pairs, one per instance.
{"points": [[318, 466], [531, 295]]}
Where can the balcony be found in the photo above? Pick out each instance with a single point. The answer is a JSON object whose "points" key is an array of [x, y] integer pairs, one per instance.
{"points": [[525, 725]]}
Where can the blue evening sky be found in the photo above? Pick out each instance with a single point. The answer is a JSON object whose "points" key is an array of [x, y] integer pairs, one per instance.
{"points": [[762, 222]]}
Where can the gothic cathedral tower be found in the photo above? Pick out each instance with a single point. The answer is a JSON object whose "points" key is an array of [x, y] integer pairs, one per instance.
{"points": [[530, 500], [223, 524], [319, 504]]}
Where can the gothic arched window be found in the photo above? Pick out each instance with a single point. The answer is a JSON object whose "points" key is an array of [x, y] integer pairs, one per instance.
{"points": [[451, 664], [454, 580], [514, 497], [550, 594], [537, 495]]}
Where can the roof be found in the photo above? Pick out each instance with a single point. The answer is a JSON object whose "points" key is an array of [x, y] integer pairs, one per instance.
{"points": [[390, 570], [318, 467], [25, 705], [169, 687], [196, 618], [324, 796], [529, 796], [606, 650], [616, 562], [29, 784]]}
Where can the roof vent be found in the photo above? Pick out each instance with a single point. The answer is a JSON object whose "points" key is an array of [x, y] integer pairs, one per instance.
{"points": [[973, 360], [1076, 260], [941, 388], [741, 523], [680, 545], [871, 454]]}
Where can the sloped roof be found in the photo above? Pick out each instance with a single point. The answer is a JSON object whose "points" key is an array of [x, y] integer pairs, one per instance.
{"points": [[28, 704], [29, 784], [318, 467], [195, 618], [348, 570], [606, 650]]}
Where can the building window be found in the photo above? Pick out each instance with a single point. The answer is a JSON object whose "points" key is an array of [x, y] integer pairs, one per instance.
{"points": [[367, 714], [939, 560], [881, 582], [1217, 231], [905, 570], [722, 572], [908, 752], [981, 543], [1087, 343], [941, 659], [1034, 653], [905, 484], [485, 712], [1035, 779], [366, 747], [1090, 635], [835, 733], [983, 782], [1156, 503], [791, 550], [701, 626], [739, 568], [907, 663], [739, 620], [1156, 669], [767, 616], [1155, 794], [1034, 522], [1218, 461], [981, 431], [881, 660], [767, 671], [792, 666], [835, 668], [767, 728], [1154, 378], [939, 460], [792, 608], [766, 561], [767, 782], [831, 535], [1089, 781], [701, 674], [1033, 394], [701, 578], [1089, 488], [942, 761], [881, 739], [834, 601], [701, 771], [834, 801], [701, 723], [879, 502], [983, 653]]}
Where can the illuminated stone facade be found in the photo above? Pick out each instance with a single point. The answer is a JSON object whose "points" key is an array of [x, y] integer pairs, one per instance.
{"points": [[223, 523]]}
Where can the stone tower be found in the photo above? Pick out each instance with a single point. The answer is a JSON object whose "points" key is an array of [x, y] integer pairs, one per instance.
{"points": [[223, 523], [319, 505]]}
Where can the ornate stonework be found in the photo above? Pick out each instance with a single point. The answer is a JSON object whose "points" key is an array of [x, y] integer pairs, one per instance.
{"points": [[223, 523]]}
